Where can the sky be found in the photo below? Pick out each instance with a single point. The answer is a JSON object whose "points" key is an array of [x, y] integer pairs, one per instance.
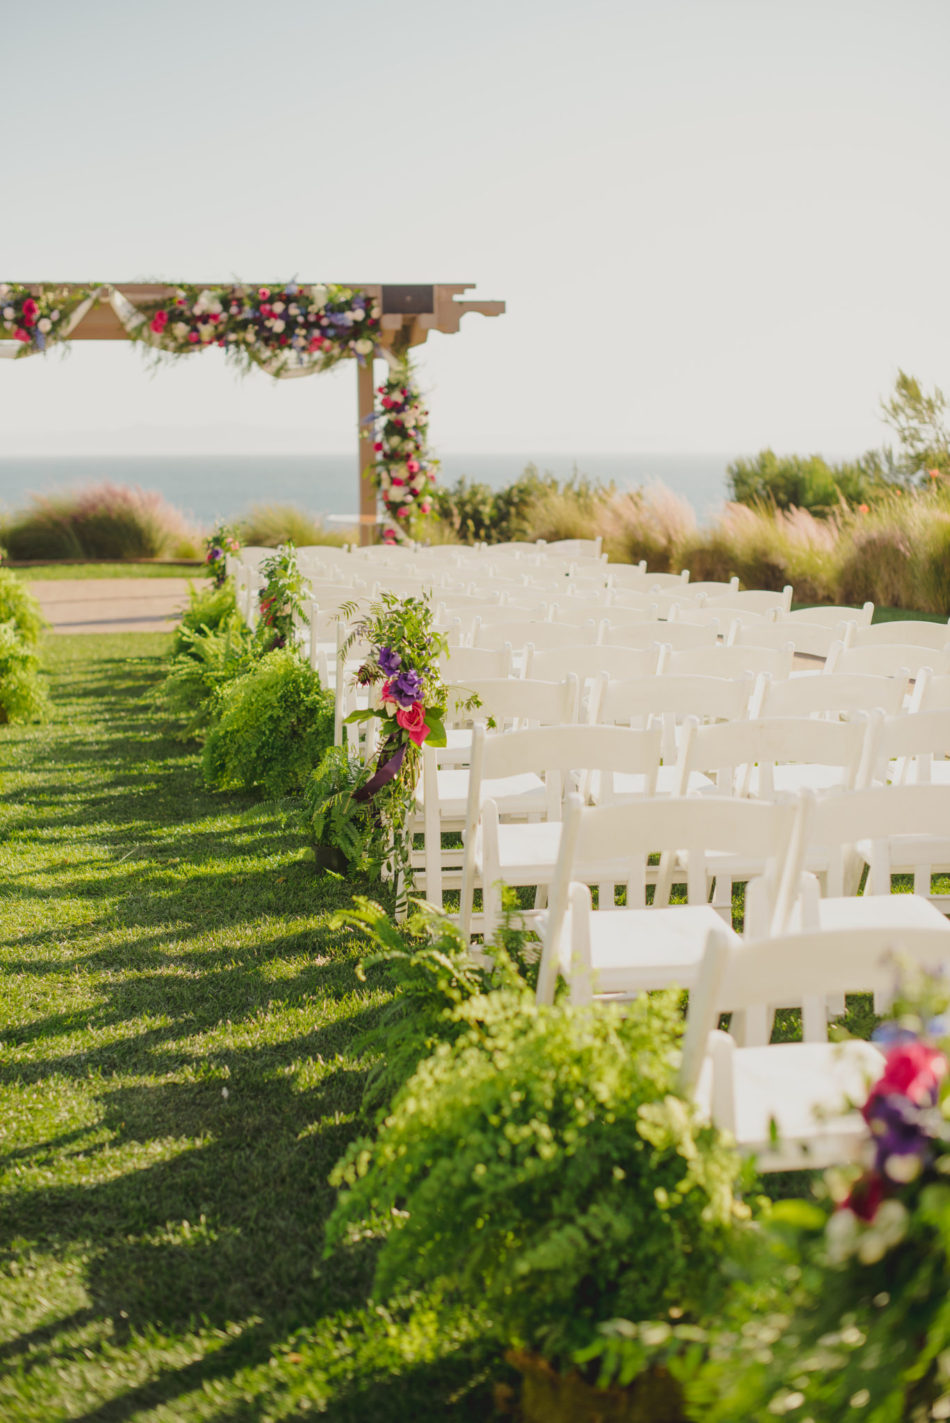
{"points": [[717, 224]]}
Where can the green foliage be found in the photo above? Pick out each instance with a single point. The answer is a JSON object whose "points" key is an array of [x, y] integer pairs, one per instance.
{"points": [[207, 660], [273, 727], [534, 506], [336, 822], [209, 608], [919, 420], [435, 977], [543, 1166], [281, 599], [804, 481], [22, 695], [18, 606]]}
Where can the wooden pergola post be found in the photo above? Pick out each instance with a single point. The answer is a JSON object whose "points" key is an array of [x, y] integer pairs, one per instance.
{"points": [[365, 404]]}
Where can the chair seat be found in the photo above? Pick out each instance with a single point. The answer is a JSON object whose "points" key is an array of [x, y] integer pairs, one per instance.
{"points": [[628, 785], [634, 950], [899, 911], [527, 854], [792, 777], [514, 795], [804, 1089], [906, 851]]}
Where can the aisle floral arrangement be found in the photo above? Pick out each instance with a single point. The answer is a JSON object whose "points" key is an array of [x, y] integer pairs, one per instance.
{"points": [[219, 543], [405, 470], [364, 813], [37, 317], [276, 327]]}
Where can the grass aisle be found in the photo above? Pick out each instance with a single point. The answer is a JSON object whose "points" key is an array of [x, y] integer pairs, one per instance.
{"points": [[175, 1087]]}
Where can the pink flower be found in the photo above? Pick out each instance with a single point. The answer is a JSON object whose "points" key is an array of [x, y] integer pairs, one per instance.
{"points": [[412, 466], [913, 1070], [402, 512], [157, 325], [864, 509], [193, 336], [865, 1197], [316, 342], [387, 403], [425, 507], [932, 473], [21, 335], [413, 720], [30, 310], [263, 293], [390, 705], [378, 446]]}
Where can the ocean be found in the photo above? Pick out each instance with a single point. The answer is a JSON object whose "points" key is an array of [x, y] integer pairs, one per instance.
{"points": [[209, 487]]}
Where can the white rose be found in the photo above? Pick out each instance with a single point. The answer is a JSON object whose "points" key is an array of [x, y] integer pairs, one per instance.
{"points": [[319, 295], [292, 310], [4, 289], [8, 313], [179, 330], [397, 493], [363, 348], [54, 316], [277, 325], [278, 306], [357, 313], [44, 324], [249, 336], [206, 332]]}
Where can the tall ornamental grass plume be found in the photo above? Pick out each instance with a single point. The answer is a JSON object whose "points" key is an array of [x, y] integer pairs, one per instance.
{"points": [[103, 521], [19, 607], [270, 525], [651, 523], [767, 548], [574, 510]]}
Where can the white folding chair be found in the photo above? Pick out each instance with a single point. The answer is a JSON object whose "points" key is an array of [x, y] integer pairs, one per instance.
{"points": [[915, 631], [669, 701], [769, 756], [811, 639], [831, 697], [721, 661], [829, 615], [757, 600], [790, 1104], [520, 854], [892, 659], [520, 635], [677, 636], [625, 951]]}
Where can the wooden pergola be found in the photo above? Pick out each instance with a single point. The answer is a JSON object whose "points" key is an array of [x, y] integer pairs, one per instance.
{"points": [[409, 313]]}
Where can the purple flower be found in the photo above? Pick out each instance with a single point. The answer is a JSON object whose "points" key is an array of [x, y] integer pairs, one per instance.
{"points": [[389, 661], [898, 1129], [406, 688]]}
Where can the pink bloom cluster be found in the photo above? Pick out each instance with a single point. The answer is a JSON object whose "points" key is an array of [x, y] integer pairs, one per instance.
{"points": [[405, 472], [33, 320]]}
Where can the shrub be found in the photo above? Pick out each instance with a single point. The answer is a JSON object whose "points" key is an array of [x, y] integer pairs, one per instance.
{"points": [[212, 647], [652, 523], [543, 1167], [18, 606], [269, 525], [104, 521], [209, 608], [804, 481], [877, 566], [274, 724], [23, 697]]}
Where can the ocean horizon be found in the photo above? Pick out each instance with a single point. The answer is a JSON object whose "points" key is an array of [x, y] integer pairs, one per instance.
{"points": [[206, 487]]}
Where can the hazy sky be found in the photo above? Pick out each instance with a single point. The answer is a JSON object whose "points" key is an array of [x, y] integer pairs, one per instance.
{"points": [[718, 224]]}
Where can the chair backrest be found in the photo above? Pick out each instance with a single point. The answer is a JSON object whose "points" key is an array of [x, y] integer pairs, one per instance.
{"points": [[615, 842], [669, 701], [931, 692], [724, 661], [465, 664], [639, 603], [814, 639], [914, 742], [620, 633], [760, 600], [576, 612], [892, 659], [535, 634], [881, 815], [830, 616], [588, 663], [730, 750], [785, 970], [714, 588], [832, 696], [667, 582], [513, 702], [575, 548], [916, 631]]}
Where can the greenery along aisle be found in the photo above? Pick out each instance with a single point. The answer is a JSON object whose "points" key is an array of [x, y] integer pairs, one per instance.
{"points": [[176, 1084]]}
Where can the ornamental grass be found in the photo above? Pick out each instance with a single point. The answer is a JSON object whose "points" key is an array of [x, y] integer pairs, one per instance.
{"points": [[108, 521], [269, 525]]}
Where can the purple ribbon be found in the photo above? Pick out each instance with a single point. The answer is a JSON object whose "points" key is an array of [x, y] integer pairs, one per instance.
{"points": [[386, 773]]}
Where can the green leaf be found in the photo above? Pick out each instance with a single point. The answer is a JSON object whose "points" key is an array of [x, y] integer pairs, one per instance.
{"points": [[800, 1215]]}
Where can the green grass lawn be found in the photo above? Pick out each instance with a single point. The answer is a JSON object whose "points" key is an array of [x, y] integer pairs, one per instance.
{"points": [[44, 572], [176, 1082]]}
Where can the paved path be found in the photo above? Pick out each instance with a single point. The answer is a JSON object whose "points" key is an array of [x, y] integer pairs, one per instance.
{"points": [[111, 604]]}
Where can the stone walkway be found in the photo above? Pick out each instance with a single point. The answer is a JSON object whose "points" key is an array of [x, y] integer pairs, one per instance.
{"points": [[111, 604]]}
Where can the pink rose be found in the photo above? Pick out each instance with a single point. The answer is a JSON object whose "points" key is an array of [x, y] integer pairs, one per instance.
{"points": [[413, 720], [913, 1070], [193, 336], [157, 325], [21, 335], [263, 293], [30, 310], [412, 466], [424, 508], [402, 512]]}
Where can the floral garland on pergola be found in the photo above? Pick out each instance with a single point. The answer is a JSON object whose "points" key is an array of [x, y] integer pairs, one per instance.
{"points": [[285, 330], [38, 317]]}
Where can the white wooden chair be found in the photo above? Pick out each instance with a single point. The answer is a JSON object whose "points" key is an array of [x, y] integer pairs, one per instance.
{"points": [[619, 952], [789, 1104], [912, 749], [771, 756], [831, 697], [721, 661], [670, 701], [757, 600], [931, 692], [442, 793], [618, 632], [519, 854], [519, 635], [891, 659], [829, 615], [916, 631], [812, 639]]}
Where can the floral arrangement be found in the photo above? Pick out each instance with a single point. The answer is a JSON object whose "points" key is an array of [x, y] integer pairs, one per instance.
{"points": [[219, 543], [36, 316], [410, 705], [276, 327], [281, 599], [405, 471]]}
